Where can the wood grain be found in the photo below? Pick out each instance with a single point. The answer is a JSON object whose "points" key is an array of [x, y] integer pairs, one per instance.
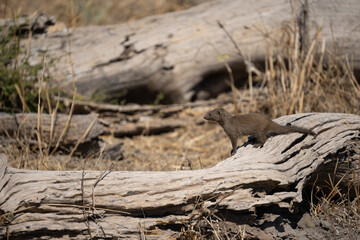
{"points": [[122, 204]]}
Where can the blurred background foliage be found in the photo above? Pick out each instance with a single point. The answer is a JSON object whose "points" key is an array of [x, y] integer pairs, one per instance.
{"points": [[95, 12]]}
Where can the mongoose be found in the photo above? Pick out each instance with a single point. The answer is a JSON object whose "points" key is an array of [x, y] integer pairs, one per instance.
{"points": [[254, 124]]}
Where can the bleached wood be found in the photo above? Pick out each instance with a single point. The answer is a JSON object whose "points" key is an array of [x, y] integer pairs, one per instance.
{"points": [[122, 204], [173, 53], [27, 125]]}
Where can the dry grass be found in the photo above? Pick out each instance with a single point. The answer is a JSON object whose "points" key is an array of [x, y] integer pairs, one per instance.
{"points": [[305, 81], [338, 208], [295, 80], [191, 147]]}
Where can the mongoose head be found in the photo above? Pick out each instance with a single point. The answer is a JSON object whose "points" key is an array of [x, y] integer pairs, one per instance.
{"points": [[217, 114]]}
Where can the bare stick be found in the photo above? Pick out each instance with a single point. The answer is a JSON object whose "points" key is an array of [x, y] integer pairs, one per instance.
{"points": [[64, 131], [80, 140]]}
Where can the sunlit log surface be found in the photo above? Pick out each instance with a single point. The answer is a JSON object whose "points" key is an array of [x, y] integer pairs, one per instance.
{"points": [[83, 204]]}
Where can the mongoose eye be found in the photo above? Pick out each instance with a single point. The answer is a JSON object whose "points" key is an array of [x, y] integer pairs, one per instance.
{"points": [[218, 113]]}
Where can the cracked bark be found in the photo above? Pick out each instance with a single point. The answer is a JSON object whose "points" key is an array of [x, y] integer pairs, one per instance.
{"points": [[177, 53], [123, 203]]}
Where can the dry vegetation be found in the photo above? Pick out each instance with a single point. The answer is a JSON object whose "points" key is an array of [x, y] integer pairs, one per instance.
{"points": [[296, 79]]}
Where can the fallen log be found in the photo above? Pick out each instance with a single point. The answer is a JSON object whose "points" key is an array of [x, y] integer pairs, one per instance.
{"points": [[177, 54], [153, 126], [83, 204], [50, 127], [89, 107]]}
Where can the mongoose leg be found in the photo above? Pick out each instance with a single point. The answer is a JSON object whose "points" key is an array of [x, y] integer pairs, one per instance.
{"points": [[233, 151], [233, 140], [261, 138]]}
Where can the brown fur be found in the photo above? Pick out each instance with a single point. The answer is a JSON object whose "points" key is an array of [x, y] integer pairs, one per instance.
{"points": [[254, 124]]}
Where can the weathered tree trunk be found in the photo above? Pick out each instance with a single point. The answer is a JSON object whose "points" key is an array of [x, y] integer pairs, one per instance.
{"points": [[76, 204], [177, 54], [50, 127]]}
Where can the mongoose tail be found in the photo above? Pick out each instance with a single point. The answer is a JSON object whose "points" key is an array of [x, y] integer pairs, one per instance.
{"points": [[279, 129]]}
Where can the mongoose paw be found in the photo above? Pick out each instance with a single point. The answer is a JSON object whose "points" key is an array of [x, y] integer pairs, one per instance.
{"points": [[251, 140], [233, 151]]}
